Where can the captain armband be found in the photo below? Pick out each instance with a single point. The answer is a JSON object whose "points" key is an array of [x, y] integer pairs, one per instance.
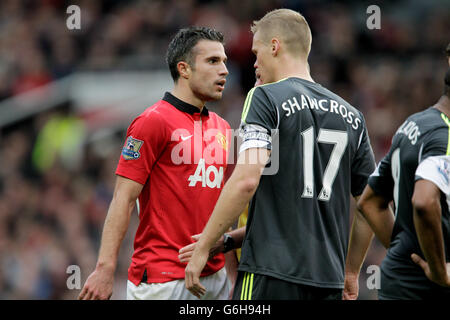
{"points": [[254, 136]]}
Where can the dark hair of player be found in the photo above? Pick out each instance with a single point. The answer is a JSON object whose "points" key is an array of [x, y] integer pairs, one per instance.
{"points": [[180, 47]]}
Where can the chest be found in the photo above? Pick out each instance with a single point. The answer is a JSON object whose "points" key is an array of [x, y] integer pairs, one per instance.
{"points": [[197, 150]]}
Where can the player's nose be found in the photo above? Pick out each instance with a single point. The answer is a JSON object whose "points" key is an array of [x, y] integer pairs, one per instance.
{"points": [[223, 71]]}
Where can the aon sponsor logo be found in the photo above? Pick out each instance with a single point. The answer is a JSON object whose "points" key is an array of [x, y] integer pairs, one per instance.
{"points": [[211, 176]]}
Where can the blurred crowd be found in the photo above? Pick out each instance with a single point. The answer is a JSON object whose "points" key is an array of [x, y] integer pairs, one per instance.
{"points": [[56, 184]]}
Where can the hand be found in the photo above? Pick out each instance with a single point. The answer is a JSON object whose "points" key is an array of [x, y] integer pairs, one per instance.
{"points": [[186, 252], [98, 286], [193, 271], [351, 287], [432, 277]]}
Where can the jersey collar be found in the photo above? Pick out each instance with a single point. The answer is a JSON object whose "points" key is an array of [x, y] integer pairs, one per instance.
{"points": [[183, 106]]}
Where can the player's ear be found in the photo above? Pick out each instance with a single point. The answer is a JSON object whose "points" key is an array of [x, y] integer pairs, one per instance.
{"points": [[184, 69], [275, 46]]}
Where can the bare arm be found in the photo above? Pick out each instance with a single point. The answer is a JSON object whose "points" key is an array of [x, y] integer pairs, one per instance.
{"points": [[99, 283], [427, 221], [235, 195], [375, 216], [377, 212], [361, 236], [237, 235]]}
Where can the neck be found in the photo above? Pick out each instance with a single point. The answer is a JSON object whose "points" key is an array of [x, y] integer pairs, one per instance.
{"points": [[184, 93], [443, 105], [289, 67]]}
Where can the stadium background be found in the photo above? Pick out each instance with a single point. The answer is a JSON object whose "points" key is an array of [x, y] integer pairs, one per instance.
{"points": [[67, 96]]}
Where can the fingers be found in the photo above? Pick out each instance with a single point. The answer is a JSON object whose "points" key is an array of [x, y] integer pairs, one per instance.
{"points": [[186, 252], [88, 295], [193, 271], [185, 257], [198, 290], [194, 286], [349, 296], [419, 261], [188, 248], [192, 281], [82, 293]]}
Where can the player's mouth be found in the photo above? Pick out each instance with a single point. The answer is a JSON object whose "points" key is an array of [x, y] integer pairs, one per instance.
{"points": [[221, 84]]}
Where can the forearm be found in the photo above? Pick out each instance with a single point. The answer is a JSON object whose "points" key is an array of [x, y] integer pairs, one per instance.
{"points": [[231, 265], [231, 203], [238, 236], [427, 222], [360, 239], [378, 214], [114, 230], [381, 222]]}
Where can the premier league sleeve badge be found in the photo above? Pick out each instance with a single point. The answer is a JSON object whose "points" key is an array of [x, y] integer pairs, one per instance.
{"points": [[131, 149]]}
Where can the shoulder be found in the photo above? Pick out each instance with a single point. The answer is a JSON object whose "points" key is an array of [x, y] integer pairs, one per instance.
{"points": [[272, 89], [154, 117], [437, 170], [433, 126], [155, 113], [263, 95]]}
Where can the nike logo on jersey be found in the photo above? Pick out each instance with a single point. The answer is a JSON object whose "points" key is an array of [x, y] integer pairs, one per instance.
{"points": [[185, 138]]}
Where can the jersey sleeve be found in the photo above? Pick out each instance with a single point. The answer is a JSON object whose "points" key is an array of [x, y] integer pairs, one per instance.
{"points": [[437, 170], [435, 160], [259, 117], [381, 180], [363, 164], [145, 141]]}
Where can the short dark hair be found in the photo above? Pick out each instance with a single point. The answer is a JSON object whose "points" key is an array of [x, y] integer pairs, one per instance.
{"points": [[180, 47], [447, 50]]}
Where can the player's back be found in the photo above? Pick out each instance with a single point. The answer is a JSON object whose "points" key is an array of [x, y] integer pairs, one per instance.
{"points": [[422, 135], [301, 213]]}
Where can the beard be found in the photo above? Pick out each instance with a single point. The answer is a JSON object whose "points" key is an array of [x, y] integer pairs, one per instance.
{"points": [[206, 93]]}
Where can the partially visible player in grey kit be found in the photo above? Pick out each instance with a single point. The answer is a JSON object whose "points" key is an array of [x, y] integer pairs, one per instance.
{"points": [[415, 174]]}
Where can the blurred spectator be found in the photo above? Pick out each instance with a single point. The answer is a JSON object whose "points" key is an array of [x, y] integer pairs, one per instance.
{"points": [[60, 139]]}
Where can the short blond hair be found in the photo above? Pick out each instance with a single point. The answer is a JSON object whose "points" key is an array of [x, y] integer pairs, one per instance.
{"points": [[289, 26]]}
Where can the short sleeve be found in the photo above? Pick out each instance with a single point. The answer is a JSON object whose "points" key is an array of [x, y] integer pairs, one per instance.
{"points": [[145, 141], [259, 118], [259, 110], [363, 164], [381, 180], [436, 143], [437, 170], [435, 160]]}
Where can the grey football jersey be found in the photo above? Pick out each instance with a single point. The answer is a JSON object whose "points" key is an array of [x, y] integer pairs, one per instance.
{"points": [[298, 224], [422, 139]]}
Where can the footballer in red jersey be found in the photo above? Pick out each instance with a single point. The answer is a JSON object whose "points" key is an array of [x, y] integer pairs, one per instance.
{"points": [[173, 163]]}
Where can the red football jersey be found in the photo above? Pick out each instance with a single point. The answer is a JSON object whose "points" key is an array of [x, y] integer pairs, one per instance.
{"points": [[180, 156]]}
